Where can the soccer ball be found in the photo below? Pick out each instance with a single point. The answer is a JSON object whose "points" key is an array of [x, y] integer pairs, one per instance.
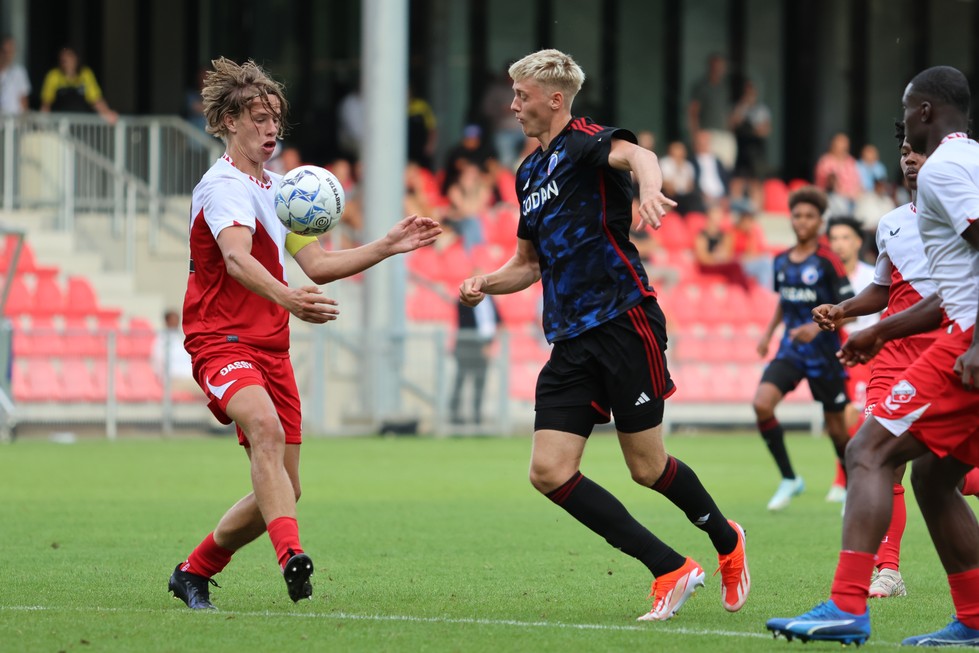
{"points": [[309, 200]]}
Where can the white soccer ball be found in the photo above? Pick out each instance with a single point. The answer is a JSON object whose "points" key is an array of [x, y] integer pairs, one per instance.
{"points": [[309, 200]]}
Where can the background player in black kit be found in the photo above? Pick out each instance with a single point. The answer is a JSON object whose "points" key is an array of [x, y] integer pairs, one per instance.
{"points": [[607, 329], [805, 275]]}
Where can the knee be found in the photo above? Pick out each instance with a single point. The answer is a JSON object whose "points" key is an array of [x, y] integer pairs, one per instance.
{"points": [[763, 409], [648, 474], [928, 477], [547, 478], [265, 434]]}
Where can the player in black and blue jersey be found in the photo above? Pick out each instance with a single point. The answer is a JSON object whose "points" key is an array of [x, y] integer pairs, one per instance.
{"points": [[607, 329], [806, 275]]}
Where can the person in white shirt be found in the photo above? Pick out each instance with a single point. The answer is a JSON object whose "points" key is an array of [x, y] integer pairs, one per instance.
{"points": [[15, 86]]}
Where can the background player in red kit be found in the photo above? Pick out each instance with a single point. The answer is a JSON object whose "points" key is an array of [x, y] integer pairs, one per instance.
{"points": [[929, 413], [236, 319]]}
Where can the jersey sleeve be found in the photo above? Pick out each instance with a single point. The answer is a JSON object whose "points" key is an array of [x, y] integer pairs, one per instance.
{"points": [[950, 186], [882, 268], [839, 284], [589, 144], [225, 204]]}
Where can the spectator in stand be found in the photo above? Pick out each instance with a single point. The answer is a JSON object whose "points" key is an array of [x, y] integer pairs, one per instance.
{"points": [[710, 110], [871, 168], [839, 163], [713, 248], [711, 174], [837, 204], [170, 360], [680, 179], [469, 196], [422, 130], [872, 206], [477, 330], [752, 123], [350, 124], [508, 137], [749, 245], [470, 149], [353, 218], [15, 86], [72, 87]]}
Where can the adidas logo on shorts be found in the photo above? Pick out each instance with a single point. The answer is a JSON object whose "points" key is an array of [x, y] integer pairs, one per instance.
{"points": [[642, 399]]}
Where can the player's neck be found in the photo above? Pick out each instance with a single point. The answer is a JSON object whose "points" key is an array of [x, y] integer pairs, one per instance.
{"points": [[242, 163], [850, 266], [558, 123], [806, 247]]}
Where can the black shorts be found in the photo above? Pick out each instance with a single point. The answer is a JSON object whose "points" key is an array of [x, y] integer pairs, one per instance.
{"points": [[615, 369], [829, 391]]}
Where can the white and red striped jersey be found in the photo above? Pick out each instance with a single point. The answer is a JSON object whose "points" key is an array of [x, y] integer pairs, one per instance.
{"points": [[218, 309], [948, 202], [901, 262]]}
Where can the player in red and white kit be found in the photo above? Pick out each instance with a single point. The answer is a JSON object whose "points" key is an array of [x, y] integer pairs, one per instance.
{"points": [[845, 234], [900, 280], [236, 320], [930, 413]]}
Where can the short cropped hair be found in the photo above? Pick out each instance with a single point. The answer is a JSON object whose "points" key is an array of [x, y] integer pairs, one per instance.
{"points": [[552, 69], [809, 195], [847, 221], [229, 87], [945, 85]]}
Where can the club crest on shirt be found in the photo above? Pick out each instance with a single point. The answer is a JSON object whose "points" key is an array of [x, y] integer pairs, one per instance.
{"points": [[810, 275], [552, 163], [902, 392]]}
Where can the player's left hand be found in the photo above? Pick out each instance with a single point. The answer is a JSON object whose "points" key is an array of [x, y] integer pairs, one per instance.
{"points": [[827, 316], [411, 233], [967, 367], [652, 209], [804, 334]]}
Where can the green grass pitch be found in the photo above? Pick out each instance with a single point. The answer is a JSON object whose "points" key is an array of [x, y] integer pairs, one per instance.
{"points": [[420, 545]]}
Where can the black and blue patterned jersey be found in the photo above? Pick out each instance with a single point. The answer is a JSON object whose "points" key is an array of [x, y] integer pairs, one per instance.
{"points": [[576, 211], [801, 287]]}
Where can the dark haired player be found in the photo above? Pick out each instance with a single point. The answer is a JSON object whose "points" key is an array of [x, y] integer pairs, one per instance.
{"points": [[607, 329], [806, 275], [929, 413]]}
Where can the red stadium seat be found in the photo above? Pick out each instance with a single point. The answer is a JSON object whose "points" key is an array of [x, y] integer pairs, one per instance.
{"points": [[79, 382], [141, 382], [80, 299], [48, 297], [775, 194], [520, 308], [36, 380], [136, 341], [673, 234], [426, 304], [20, 299]]}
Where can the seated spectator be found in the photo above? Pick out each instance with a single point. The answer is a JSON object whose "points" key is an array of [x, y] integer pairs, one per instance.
{"points": [[871, 207], [15, 85], [679, 179], [837, 203], [839, 164], [471, 149], [469, 195], [713, 250], [72, 87], [870, 168], [749, 246], [711, 176], [170, 359]]}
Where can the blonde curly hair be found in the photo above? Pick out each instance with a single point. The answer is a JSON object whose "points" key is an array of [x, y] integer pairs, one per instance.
{"points": [[229, 87]]}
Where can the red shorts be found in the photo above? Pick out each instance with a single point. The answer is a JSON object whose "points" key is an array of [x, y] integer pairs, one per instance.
{"points": [[890, 363], [857, 383], [223, 371], [929, 401]]}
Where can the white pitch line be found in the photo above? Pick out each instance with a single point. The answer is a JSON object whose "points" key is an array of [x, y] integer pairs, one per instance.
{"points": [[343, 616]]}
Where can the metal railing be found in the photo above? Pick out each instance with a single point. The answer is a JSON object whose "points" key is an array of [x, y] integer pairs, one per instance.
{"points": [[77, 164]]}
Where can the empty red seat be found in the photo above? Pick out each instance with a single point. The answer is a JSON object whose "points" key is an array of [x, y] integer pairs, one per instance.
{"points": [[80, 298], [775, 196], [136, 341], [48, 297], [673, 234], [519, 308], [80, 384], [20, 299], [139, 382], [425, 304], [36, 380]]}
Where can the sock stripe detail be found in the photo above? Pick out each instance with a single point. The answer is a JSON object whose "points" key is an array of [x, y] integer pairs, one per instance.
{"points": [[560, 495], [666, 478], [768, 424]]}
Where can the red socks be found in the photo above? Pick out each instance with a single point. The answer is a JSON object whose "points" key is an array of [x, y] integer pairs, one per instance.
{"points": [[284, 533], [840, 475], [889, 553], [965, 596], [851, 583], [208, 558]]}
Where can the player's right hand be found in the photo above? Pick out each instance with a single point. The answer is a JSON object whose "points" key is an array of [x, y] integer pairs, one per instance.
{"points": [[309, 304], [762, 348], [860, 347], [827, 316], [471, 291]]}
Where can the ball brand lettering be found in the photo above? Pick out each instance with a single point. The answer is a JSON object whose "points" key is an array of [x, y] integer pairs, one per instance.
{"points": [[796, 294], [538, 197], [237, 365]]}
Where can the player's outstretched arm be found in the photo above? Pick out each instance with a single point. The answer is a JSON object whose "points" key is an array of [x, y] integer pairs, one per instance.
{"points": [[521, 271], [653, 204], [922, 317], [871, 299], [307, 303], [407, 235]]}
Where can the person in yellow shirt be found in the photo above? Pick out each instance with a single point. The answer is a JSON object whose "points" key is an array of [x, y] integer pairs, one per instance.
{"points": [[71, 87]]}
